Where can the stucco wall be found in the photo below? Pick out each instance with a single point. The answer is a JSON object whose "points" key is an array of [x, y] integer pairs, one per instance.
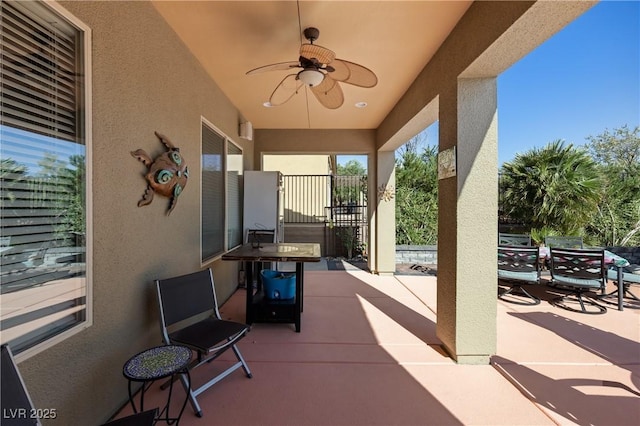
{"points": [[144, 80], [458, 87], [314, 141], [307, 164]]}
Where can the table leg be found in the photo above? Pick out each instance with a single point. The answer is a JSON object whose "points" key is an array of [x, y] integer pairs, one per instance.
{"points": [[145, 385], [133, 403], [249, 304], [187, 389], [164, 415], [165, 411], [301, 274], [299, 295], [620, 288]]}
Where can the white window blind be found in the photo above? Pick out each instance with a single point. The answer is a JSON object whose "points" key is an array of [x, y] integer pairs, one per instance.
{"points": [[40, 66], [222, 196], [234, 195], [213, 193]]}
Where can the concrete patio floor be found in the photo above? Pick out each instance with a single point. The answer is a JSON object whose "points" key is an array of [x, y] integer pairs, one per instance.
{"points": [[368, 354]]}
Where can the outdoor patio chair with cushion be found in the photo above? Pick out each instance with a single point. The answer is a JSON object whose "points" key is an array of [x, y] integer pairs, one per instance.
{"points": [[184, 300], [630, 276], [578, 272], [514, 239], [573, 242], [518, 266]]}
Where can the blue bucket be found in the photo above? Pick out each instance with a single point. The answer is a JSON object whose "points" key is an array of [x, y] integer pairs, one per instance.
{"points": [[278, 285]]}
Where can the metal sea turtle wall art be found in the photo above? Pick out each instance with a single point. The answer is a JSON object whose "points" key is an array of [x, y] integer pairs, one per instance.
{"points": [[166, 175]]}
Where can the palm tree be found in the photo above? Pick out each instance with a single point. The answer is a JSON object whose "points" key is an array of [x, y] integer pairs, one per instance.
{"points": [[557, 187]]}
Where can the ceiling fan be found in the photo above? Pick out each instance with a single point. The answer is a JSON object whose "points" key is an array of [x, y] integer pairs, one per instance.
{"points": [[321, 71]]}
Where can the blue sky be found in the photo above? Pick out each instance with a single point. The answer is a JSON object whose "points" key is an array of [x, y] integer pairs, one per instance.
{"points": [[583, 80]]}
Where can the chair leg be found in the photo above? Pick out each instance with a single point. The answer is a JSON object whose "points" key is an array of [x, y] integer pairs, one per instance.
{"points": [[195, 392], [630, 295], [576, 297], [517, 290], [242, 361]]}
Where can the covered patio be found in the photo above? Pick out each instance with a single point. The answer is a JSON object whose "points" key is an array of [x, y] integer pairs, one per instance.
{"points": [[368, 354], [374, 347]]}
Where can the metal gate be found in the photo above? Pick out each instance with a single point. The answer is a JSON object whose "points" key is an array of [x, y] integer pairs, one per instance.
{"points": [[328, 209]]}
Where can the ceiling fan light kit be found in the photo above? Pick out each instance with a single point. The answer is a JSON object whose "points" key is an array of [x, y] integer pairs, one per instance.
{"points": [[321, 72], [311, 77]]}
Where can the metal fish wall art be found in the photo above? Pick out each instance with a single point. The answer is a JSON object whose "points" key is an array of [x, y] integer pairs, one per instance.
{"points": [[166, 175]]}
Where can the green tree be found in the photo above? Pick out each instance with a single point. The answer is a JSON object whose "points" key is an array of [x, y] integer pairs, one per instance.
{"points": [[349, 188], [11, 175], [556, 187], [351, 168], [619, 148], [73, 197], [617, 220], [60, 186], [416, 194]]}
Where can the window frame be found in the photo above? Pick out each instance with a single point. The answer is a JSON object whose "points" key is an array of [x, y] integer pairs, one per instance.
{"points": [[225, 169], [240, 195], [84, 50]]}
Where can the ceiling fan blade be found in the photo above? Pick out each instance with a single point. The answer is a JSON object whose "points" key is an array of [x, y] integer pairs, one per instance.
{"points": [[280, 66], [349, 72], [284, 91], [329, 93], [314, 51]]}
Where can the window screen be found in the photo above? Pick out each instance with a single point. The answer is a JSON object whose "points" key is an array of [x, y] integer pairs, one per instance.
{"points": [[213, 193], [222, 166]]}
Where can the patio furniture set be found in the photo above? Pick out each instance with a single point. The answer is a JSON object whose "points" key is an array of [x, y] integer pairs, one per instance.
{"points": [[190, 324], [579, 274]]}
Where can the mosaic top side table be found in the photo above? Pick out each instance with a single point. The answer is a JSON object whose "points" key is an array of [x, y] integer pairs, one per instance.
{"points": [[158, 363]]}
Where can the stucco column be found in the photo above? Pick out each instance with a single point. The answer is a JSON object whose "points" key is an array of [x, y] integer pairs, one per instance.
{"points": [[385, 216], [468, 222]]}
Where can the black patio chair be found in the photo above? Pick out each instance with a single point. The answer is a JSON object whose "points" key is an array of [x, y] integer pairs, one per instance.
{"points": [[145, 418], [578, 272], [518, 266], [557, 241], [183, 302], [256, 237], [514, 239], [14, 399]]}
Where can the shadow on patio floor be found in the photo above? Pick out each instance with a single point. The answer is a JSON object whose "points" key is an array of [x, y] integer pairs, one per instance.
{"points": [[368, 354]]}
